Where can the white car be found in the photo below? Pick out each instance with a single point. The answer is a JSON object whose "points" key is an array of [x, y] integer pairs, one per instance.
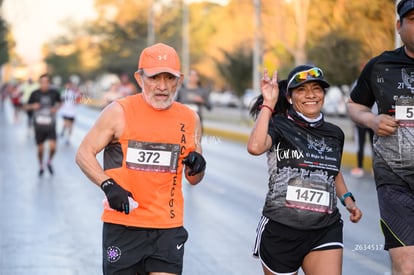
{"points": [[335, 102], [224, 99], [249, 96]]}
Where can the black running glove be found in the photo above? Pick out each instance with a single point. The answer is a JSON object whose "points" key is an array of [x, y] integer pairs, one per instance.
{"points": [[195, 162], [116, 195]]}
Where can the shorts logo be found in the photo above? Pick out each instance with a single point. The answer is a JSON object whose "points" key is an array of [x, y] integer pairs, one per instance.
{"points": [[113, 253]]}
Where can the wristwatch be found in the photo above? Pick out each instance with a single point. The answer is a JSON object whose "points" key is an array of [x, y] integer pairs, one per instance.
{"points": [[346, 195]]}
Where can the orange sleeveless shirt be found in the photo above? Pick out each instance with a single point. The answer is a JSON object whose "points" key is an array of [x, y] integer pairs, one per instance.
{"points": [[147, 161]]}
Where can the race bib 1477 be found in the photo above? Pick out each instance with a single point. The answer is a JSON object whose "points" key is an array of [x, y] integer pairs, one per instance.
{"points": [[307, 196]]}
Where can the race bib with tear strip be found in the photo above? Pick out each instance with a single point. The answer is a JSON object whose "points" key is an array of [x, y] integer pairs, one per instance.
{"points": [[43, 120], [44, 117], [309, 196], [404, 111]]}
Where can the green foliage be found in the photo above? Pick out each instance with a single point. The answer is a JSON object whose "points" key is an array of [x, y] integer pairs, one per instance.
{"points": [[120, 45], [169, 29], [340, 34], [63, 66], [237, 68], [343, 35], [4, 45], [202, 27], [338, 56]]}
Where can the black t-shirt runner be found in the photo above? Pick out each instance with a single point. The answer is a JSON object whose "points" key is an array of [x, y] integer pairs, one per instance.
{"points": [[43, 117], [303, 163], [388, 80]]}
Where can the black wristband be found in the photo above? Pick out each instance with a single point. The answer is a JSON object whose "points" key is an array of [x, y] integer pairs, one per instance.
{"points": [[346, 195]]}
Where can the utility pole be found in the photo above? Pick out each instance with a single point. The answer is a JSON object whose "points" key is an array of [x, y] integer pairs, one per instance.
{"points": [[150, 25], [257, 50], [185, 40]]}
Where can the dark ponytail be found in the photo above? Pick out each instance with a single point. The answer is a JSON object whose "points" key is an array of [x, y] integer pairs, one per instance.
{"points": [[282, 104]]}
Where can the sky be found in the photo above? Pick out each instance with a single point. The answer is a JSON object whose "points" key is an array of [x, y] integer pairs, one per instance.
{"points": [[33, 22]]}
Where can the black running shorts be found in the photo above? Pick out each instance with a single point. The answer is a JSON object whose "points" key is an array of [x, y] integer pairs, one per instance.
{"points": [[396, 204], [282, 248], [44, 133], [70, 118], [131, 250]]}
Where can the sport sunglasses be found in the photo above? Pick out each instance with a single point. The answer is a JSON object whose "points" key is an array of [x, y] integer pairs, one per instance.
{"points": [[313, 73]]}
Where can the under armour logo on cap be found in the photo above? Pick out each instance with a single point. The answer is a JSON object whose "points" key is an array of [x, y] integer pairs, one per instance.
{"points": [[159, 58], [162, 57]]}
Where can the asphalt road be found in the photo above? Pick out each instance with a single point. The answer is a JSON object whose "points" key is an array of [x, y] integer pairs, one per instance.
{"points": [[51, 225]]}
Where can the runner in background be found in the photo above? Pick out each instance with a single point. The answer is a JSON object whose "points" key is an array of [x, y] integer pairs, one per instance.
{"points": [[126, 87], [27, 88], [71, 97], [16, 99], [194, 95], [3, 95], [44, 102]]}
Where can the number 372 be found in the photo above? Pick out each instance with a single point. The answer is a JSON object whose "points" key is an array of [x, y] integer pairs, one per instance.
{"points": [[148, 157]]}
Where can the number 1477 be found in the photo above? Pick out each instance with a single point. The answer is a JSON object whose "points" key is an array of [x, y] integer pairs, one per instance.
{"points": [[309, 195]]}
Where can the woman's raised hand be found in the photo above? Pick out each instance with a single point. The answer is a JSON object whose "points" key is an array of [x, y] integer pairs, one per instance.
{"points": [[269, 88]]}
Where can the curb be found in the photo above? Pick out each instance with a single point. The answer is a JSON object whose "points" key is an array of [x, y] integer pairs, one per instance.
{"points": [[348, 158]]}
